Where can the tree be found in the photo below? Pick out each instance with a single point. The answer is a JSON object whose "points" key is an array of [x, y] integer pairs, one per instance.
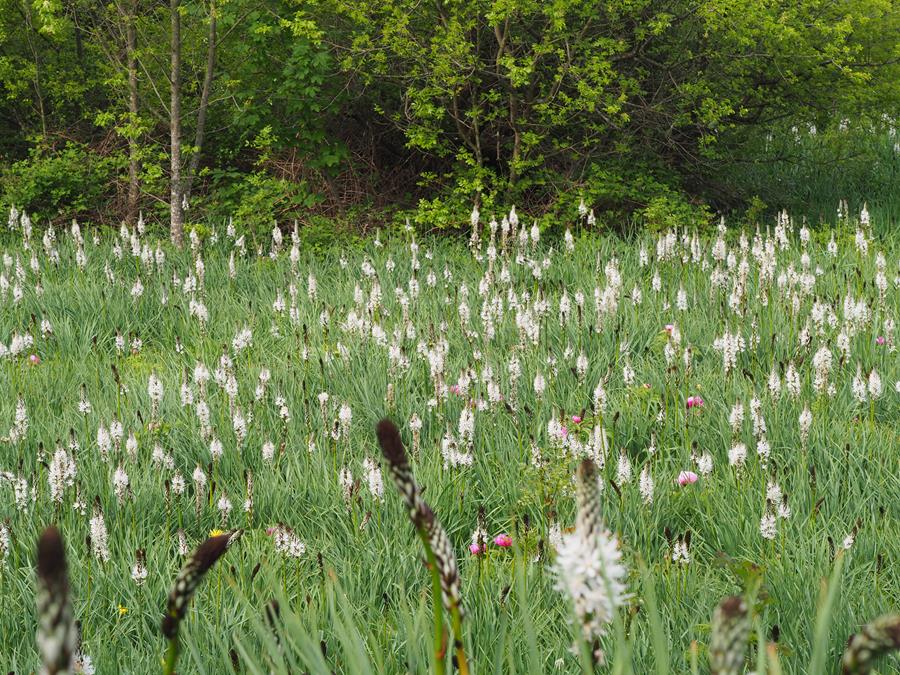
{"points": [[134, 162], [519, 96], [203, 108], [251, 108], [176, 212]]}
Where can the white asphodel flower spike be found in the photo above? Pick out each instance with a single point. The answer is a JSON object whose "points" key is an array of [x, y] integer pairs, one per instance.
{"points": [[589, 563]]}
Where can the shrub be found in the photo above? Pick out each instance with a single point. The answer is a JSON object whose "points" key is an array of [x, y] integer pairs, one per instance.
{"points": [[61, 184]]}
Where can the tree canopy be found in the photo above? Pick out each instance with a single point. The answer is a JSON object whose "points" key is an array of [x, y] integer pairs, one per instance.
{"points": [[434, 104]]}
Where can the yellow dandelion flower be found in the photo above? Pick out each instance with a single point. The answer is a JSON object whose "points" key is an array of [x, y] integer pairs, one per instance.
{"points": [[122, 610], [216, 533]]}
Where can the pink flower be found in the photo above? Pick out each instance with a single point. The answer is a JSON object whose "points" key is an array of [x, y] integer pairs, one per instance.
{"points": [[34, 359], [694, 402], [476, 549], [669, 328], [564, 431], [454, 388], [687, 478], [503, 540], [880, 340], [270, 531], [576, 419]]}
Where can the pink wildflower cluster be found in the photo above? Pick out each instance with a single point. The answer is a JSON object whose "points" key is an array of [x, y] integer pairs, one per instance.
{"points": [[501, 540]]}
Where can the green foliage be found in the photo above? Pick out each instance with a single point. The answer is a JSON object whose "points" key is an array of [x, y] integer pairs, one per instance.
{"points": [[653, 108], [618, 192], [535, 91], [455, 192], [672, 211], [63, 75], [69, 181], [805, 167], [279, 74], [50, 76], [318, 234], [254, 200]]}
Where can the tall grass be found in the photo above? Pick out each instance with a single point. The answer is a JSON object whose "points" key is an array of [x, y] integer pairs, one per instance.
{"points": [[358, 599], [808, 170]]}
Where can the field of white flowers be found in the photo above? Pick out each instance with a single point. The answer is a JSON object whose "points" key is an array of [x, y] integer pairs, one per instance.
{"points": [[736, 392]]}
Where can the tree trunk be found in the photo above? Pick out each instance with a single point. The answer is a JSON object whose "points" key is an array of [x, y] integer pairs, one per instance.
{"points": [[39, 96], [176, 222], [77, 34], [134, 165], [204, 103], [517, 142]]}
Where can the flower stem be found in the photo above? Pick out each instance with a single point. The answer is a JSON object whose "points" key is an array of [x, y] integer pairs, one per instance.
{"points": [[439, 651], [456, 622], [171, 657]]}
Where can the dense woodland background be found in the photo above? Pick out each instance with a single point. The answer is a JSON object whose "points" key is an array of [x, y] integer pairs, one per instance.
{"points": [[368, 112]]}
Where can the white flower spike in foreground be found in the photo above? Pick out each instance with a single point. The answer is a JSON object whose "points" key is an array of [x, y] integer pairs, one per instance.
{"points": [[589, 564]]}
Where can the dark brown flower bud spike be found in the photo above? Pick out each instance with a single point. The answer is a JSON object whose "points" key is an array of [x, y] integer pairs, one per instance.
{"points": [[588, 498], [186, 584], [876, 639], [438, 547], [56, 634]]}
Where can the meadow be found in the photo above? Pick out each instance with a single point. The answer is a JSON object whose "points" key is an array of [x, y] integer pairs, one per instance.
{"points": [[738, 392]]}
